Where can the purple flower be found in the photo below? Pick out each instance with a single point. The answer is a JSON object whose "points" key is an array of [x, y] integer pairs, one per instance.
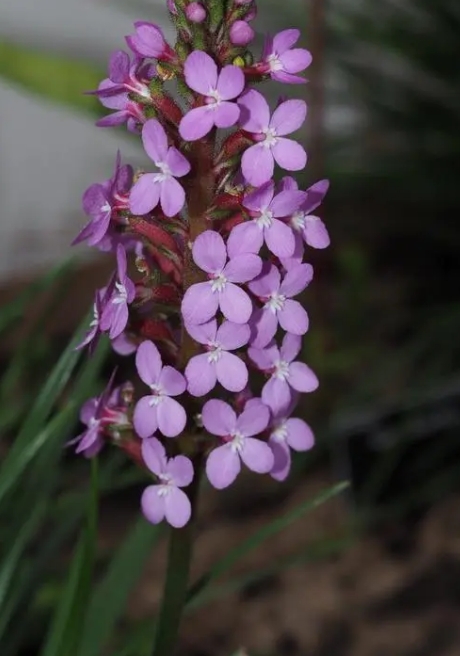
{"points": [[278, 306], [115, 313], [224, 463], [258, 161], [101, 298], [287, 433], [101, 201], [158, 410], [148, 41], [202, 76], [165, 499], [202, 300], [203, 371], [286, 376], [312, 229], [281, 60], [248, 237], [162, 186]]}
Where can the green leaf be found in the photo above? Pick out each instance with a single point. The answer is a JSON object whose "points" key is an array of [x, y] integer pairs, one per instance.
{"points": [[109, 599], [65, 631], [259, 537], [51, 76]]}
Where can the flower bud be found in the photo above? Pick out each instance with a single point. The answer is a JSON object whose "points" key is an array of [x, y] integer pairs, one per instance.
{"points": [[241, 33], [195, 12]]}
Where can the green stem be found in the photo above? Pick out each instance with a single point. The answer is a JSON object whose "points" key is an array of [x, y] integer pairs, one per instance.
{"points": [[177, 577]]}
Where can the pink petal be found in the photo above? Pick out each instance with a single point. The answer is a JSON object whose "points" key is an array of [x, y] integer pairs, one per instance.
{"points": [[209, 252], [152, 504], [245, 238], [288, 117], [171, 417], [145, 194], [290, 347], [235, 304], [181, 470], [264, 358], [242, 268], [279, 238], [315, 233], [257, 456], [201, 375], [145, 417], [255, 112], [222, 466], [257, 164], [172, 196], [297, 279], [226, 114], [231, 372], [199, 304], [196, 123], [302, 378], [155, 140], [88, 410], [267, 282], [264, 324], [290, 155], [200, 72], [178, 164], [253, 420], [285, 40], [276, 394], [203, 333], [231, 82], [260, 199], [287, 202], [118, 66], [315, 196], [282, 460], [232, 336], [218, 418], [172, 381], [148, 362], [293, 318], [287, 78], [288, 184], [119, 320], [300, 436], [296, 60], [178, 509], [154, 455], [297, 257]]}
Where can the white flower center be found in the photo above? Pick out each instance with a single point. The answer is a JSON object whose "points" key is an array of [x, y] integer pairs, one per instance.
{"points": [[106, 208], [279, 434], [215, 352], [281, 370], [121, 296], [274, 62], [167, 484], [95, 320], [215, 98], [265, 219], [270, 137], [275, 303], [218, 282], [165, 172], [298, 220], [157, 394], [237, 442], [93, 422]]}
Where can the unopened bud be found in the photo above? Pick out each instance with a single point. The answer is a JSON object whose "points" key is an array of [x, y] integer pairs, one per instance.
{"points": [[241, 33], [195, 12]]}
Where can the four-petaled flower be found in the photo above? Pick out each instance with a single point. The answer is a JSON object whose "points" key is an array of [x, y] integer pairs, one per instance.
{"points": [[281, 61], [115, 312], [203, 371], [286, 376], [258, 161], [165, 499], [202, 300], [148, 41], [278, 304], [161, 187], [237, 434], [305, 224], [218, 89], [266, 210], [158, 410]]}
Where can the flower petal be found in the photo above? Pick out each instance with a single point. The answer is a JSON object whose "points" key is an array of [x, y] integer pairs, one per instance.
{"points": [[201, 375], [232, 336], [297, 279], [254, 419], [282, 460], [264, 324], [315, 196], [230, 83], [181, 470], [171, 417], [199, 304], [290, 347], [302, 378], [154, 455], [243, 268], [235, 304], [259, 199], [148, 362], [279, 238], [267, 282], [290, 155], [264, 358], [257, 456], [287, 78], [218, 417], [178, 509], [155, 140], [255, 112], [172, 381], [152, 504], [293, 318], [196, 123], [203, 333], [288, 117], [88, 410], [145, 417], [209, 252], [245, 238], [172, 196], [118, 66], [119, 319], [145, 194], [315, 233], [222, 466], [296, 60], [226, 114], [276, 394], [200, 72], [300, 436], [287, 202], [178, 164], [284, 40], [231, 372], [257, 164]]}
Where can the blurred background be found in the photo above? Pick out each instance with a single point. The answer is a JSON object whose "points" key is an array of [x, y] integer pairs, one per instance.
{"points": [[374, 572]]}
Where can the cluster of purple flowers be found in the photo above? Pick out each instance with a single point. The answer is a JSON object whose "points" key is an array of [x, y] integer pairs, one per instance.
{"points": [[209, 254]]}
